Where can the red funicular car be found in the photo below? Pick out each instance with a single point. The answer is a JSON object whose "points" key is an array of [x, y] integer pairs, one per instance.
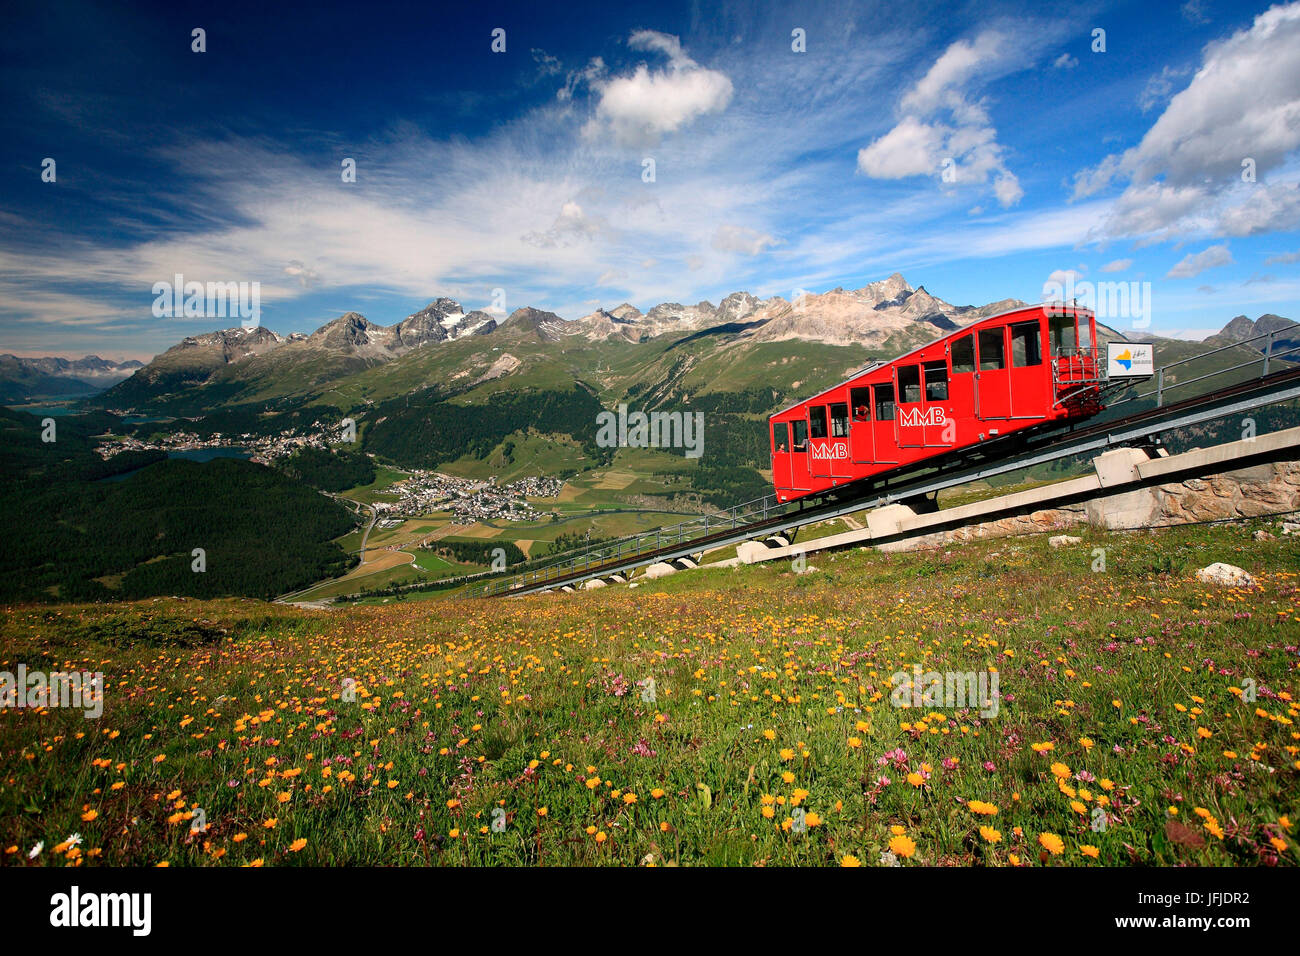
{"points": [[1028, 369]]}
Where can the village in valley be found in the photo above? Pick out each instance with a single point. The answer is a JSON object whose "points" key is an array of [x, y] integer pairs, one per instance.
{"points": [[468, 500]]}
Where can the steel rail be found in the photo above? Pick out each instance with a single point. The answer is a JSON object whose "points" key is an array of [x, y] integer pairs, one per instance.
{"points": [[1142, 426]]}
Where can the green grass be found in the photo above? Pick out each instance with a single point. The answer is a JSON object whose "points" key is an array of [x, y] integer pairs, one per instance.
{"points": [[763, 681], [377, 490]]}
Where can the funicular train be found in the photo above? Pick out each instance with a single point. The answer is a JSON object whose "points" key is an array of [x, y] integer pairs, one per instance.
{"points": [[996, 380]]}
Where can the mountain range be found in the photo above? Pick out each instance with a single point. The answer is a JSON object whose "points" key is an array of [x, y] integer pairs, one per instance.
{"points": [[33, 379], [254, 364], [670, 352]]}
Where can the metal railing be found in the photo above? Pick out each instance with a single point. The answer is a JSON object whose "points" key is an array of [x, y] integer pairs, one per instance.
{"points": [[1162, 377], [758, 510], [1074, 370], [631, 546]]}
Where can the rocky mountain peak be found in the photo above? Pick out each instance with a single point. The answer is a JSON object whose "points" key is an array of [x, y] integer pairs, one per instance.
{"points": [[625, 312], [546, 326], [736, 306], [1273, 323], [1238, 329], [350, 330]]}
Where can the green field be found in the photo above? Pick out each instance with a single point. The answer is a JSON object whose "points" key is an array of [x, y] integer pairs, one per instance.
{"points": [[1141, 718]]}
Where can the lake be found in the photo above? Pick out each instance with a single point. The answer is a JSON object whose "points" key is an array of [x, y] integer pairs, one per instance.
{"points": [[193, 454]]}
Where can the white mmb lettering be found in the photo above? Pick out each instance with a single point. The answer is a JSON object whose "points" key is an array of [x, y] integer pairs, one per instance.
{"points": [[830, 451], [909, 417]]}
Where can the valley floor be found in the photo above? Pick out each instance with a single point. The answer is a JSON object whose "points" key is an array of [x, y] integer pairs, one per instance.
{"points": [[740, 716]]}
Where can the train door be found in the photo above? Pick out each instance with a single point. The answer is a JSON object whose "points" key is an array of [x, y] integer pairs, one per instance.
{"points": [[782, 477], [860, 431], [841, 460], [935, 428], [961, 382], [911, 408], [882, 428], [1031, 386], [800, 476], [993, 380]]}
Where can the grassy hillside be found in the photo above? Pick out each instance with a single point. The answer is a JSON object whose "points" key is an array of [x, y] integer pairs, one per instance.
{"points": [[772, 736]]}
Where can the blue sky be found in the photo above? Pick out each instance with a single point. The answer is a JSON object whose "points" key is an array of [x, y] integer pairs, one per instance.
{"points": [[774, 170]]}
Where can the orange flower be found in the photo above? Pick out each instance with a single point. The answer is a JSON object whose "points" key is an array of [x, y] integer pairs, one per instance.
{"points": [[902, 846], [1051, 843]]}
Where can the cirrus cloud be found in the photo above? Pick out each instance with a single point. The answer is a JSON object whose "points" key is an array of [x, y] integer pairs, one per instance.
{"points": [[1195, 264]]}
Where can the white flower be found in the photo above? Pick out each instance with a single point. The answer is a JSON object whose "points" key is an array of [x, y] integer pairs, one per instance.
{"points": [[36, 850], [74, 840], [888, 859]]}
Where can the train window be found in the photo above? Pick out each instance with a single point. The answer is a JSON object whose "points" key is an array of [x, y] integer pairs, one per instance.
{"points": [[860, 399], [1085, 333], [963, 355], [800, 442], [839, 420], [781, 436], [1060, 330], [909, 384], [1026, 346], [817, 416], [884, 403], [936, 381], [991, 350]]}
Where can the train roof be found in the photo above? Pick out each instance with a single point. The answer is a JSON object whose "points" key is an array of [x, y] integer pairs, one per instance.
{"points": [[1051, 308]]}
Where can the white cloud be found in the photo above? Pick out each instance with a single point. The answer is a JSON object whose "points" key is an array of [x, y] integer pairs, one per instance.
{"points": [[1062, 278], [547, 65], [1065, 62], [921, 141], [305, 275], [637, 110], [1195, 264], [1243, 102], [912, 148], [748, 242], [1194, 11], [570, 226], [1159, 87], [1007, 188], [590, 74], [1118, 265], [942, 84], [1269, 208], [1284, 258]]}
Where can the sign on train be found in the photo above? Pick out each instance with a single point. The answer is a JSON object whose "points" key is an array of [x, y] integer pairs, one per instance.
{"points": [[1130, 359]]}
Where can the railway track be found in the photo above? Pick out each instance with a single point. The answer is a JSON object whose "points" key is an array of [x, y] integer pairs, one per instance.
{"points": [[765, 517]]}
